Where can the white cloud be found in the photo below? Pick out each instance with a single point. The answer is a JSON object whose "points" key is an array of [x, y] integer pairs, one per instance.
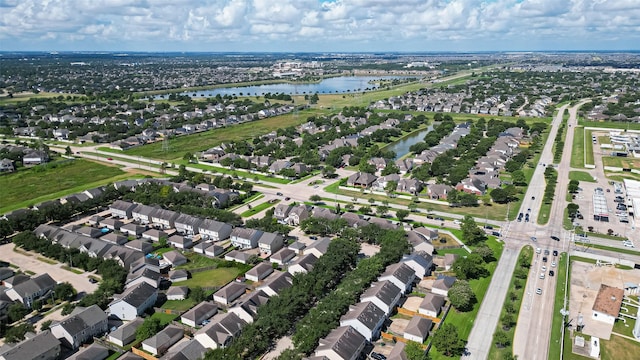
{"points": [[340, 24]]}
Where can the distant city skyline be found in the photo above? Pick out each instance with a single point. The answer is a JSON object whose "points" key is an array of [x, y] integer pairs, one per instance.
{"points": [[319, 26]]}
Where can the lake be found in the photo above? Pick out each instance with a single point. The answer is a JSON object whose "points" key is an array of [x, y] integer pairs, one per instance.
{"points": [[401, 148], [340, 84]]}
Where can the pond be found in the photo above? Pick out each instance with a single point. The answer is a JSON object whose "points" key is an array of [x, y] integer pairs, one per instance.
{"points": [[401, 148], [335, 85]]}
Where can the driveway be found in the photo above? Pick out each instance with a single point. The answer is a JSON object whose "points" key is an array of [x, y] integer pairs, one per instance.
{"points": [[31, 263]]}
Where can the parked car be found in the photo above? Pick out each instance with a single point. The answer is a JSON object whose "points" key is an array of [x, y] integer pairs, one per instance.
{"points": [[539, 291], [555, 238], [551, 273], [555, 252], [279, 193]]}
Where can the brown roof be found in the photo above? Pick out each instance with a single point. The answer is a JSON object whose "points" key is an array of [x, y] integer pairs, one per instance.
{"points": [[608, 300]]}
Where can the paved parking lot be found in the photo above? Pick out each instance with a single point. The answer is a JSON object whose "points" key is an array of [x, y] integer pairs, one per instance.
{"points": [[79, 281]]}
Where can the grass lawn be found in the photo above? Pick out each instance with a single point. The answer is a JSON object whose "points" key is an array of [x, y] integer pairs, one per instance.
{"points": [[543, 215], [581, 176], [577, 152], [621, 162], [211, 278], [164, 318], [558, 303], [609, 125], [458, 251], [239, 172], [464, 321], [604, 140], [31, 186], [500, 353], [623, 328], [613, 249], [179, 305], [197, 261], [258, 208], [619, 348], [201, 141], [588, 148]]}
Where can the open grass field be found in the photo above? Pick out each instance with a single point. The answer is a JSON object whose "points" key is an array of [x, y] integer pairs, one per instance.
{"points": [[629, 163], [20, 97], [205, 140], [31, 186], [588, 148], [577, 151], [211, 278], [258, 208], [619, 348], [164, 318], [581, 176], [609, 125]]}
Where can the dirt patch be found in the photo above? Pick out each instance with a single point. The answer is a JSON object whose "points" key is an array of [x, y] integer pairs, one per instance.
{"points": [[398, 325]]}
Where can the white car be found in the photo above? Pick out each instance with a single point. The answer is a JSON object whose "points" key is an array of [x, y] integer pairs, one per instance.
{"points": [[542, 276], [544, 268], [539, 291], [553, 264], [628, 244]]}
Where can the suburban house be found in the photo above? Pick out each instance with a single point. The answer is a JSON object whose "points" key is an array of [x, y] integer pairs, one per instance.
{"points": [[418, 329], [283, 256], [270, 243], [247, 306], [421, 263], [303, 265], [431, 305], [318, 247], [343, 343], [259, 272], [175, 258], [187, 224], [155, 235], [164, 218], [31, 290], [275, 283], [383, 294], [6, 165], [180, 242], [35, 158], [606, 307], [142, 214], [229, 293], [297, 215], [397, 352], [94, 351], [178, 275], [442, 285], [449, 259], [220, 331], [237, 256], [122, 209], [162, 341], [186, 350], [282, 211], [297, 247], [213, 250], [139, 245], [132, 229], [399, 274], [111, 224], [438, 191], [419, 243], [126, 333], [366, 318], [361, 179], [177, 292], [143, 274], [43, 346], [199, 313], [214, 230], [133, 301], [80, 326], [245, 238]]}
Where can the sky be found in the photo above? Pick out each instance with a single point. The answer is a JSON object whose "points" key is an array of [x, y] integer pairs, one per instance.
{"points": [[319, 25]]}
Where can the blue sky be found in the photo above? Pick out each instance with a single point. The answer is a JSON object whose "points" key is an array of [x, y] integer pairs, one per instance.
{"points": [[317, 25]]}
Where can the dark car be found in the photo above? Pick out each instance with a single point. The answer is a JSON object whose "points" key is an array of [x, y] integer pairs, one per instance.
{"points": [[287, 198], [555, 238], [495, 233], [551, 273], [377, 356], [439, 219], [533, 198], [544, 259], [555, 252], [92, 280], [488, 227], [279, 193]]}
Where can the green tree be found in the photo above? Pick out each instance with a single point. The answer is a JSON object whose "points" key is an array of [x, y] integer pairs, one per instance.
{"points": [[381, 210], [401, 214], [365, 209], [415, 351], [472, 234], [328, 171], [67, 151], [447, 340], [64, 291], [461, 296], [16, 312], [198, 294], [470, 267], [573, 186], [315, 198], [45, 325], [572, 210], [485, 253], [16, 333], [149, 327]]}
